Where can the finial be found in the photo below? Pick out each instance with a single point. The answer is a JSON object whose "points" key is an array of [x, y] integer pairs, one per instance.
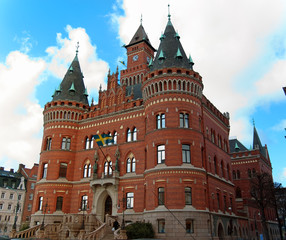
{"points": [[141, 20], [169, 15], [253, 122], [77, 46]]}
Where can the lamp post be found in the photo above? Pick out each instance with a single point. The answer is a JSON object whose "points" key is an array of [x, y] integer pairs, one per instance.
{"points": [[16, 210], [44, 211], [83, 208]]}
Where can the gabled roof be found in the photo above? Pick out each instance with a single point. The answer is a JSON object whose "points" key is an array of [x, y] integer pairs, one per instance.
{"points": [[140, 36], [236, 146], [170, 52], [72, 86]]}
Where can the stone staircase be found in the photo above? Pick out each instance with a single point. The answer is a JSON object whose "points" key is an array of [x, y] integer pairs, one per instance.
{"points": [[109, 234]]}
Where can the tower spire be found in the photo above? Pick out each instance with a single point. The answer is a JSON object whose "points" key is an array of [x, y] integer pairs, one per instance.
{"points": [[77, 46], [141, 19], [169, 15]]}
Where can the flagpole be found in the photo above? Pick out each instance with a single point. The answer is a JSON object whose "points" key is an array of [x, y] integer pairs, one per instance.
{"points": [[105, 156]]}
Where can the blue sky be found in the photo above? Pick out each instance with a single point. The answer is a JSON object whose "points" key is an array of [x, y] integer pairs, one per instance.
{"points": [[238, 48]]}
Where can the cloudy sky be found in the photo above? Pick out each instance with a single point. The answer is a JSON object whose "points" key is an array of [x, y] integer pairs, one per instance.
{"points": [[238, 48]]}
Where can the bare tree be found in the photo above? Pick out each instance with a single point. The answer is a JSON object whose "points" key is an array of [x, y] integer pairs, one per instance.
{"points": [[262, 190], [280, 205]]}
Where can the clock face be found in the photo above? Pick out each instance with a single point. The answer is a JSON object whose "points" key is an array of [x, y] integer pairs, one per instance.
{"points": [[135, 58]]}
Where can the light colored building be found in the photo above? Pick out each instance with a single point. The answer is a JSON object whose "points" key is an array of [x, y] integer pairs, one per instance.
{"points": [[12, 197]]}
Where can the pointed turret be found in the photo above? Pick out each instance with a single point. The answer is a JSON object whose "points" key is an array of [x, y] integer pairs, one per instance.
{"points": [[72, 86], [171, 50], [140, 36]]}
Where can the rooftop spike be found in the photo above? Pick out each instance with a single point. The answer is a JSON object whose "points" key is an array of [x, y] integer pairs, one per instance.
{"points": [[177, 36], [77, 46], [169, 15], [150, 62], [72, 88], [161, 56], [179, 54], [141, 20], [191, 62], [162, 36]]}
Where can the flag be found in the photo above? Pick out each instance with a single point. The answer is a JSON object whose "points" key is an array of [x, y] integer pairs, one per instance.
{"points": [[103, 139], [122, 62]]}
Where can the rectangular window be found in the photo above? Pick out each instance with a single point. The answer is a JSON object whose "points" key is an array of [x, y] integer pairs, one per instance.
{"points": [[9, 206], [224, 202], [189, 225], [2, 195], [218, 201], [66, 143], [186, 153], [84, 200], [40, 205], [5, 184], [19, 197], [160, 121], [59, 205], [63, 170], [161, 225], [31, 196], [130, 200], [1, 206], [11, 195], [161, 196], [45, 170], [184, 120], [188, 196], [161, 154], [32, 185], [48, 143]]}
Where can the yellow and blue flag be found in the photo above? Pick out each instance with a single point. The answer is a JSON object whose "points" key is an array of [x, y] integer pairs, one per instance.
{"points": [[103, 139]]}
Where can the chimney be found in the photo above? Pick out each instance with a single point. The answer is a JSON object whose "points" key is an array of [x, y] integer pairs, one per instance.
{"points": [[1, 168], [11, 170]]}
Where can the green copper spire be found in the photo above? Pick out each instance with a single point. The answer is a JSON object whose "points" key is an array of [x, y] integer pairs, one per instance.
{"points": [[162, 36], [161, 56], [191, 62], [150, 62], [177, 36], [236, 147], [72, 88], [179, 54]]}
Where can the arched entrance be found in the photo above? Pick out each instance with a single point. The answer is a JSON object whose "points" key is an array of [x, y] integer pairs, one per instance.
{"points": [[220, 232], [108, 206]]}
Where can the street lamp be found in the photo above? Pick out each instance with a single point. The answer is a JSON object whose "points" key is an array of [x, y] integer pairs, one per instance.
{"points": [[16, 210], [84, 207], [44, 211]]}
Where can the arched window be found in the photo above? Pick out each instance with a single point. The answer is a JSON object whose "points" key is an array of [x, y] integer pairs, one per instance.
{"points": [[215, 165], [233, 174], [109, 142], [129, 135], [115, 137], [134, 134], [108, 168], [130, 165], [87, 170], [91, 142], [222, 169], [87, 143]]}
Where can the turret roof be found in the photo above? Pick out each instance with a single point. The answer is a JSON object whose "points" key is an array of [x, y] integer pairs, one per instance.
{"points": [[170, 52], [72, 86]]}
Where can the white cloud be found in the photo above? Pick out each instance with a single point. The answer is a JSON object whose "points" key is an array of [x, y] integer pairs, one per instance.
{"points": [[21, 115], [223, 37], [93, 68], [280, 126]]}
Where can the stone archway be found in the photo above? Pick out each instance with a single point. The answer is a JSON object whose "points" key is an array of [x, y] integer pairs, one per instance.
{"points": [[220, 232]]}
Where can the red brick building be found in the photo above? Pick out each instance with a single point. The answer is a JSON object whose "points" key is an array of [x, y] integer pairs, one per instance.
{"points": [[169, 163], [246, 163]]}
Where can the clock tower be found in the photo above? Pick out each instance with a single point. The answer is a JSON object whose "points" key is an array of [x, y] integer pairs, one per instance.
{"points": [[139, 53]]}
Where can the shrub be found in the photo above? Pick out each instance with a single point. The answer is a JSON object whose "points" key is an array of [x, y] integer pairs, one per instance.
{"points": [[140, 230]]}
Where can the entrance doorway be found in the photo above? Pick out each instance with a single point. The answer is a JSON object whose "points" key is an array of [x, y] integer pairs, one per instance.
{"points": [[108, 206], [220, 232]]}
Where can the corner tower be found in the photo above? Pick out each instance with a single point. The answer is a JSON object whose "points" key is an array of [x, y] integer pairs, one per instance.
{"points": [[56, 192]]}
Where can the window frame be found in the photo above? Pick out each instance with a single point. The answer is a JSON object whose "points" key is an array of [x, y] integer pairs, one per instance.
{"points": [[186, 153], [161, 196], [160, 121], [84, 203], [188, 196], [66, 143], [45, 170], [161, 154], [40, 203], [184, 120], [130, 200], [59, 203], [63, 169], [190, 223]]}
